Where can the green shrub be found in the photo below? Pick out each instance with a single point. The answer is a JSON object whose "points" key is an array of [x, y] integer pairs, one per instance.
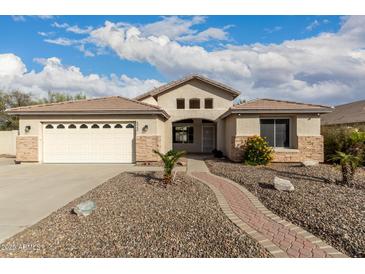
{"points": [[257, 151], [345, 139]]}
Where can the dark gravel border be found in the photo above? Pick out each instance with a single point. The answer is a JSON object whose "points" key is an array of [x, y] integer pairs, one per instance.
{"points": [[332, 212], [137, 216]]}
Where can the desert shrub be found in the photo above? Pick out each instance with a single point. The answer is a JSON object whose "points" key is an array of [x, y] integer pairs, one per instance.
{"points": [[257, 151], [344, 139]]}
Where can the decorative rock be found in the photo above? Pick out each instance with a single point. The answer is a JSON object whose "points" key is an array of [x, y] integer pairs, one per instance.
{"points": [[282, 184], [310, 163], [84, 208]]}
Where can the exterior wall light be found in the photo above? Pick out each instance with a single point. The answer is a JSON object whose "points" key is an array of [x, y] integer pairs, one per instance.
{"points": [[145, 128], [27, 129]]}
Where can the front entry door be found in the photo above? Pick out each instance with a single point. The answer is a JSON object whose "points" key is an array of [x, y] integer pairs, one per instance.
{"points": [[208, 139]]}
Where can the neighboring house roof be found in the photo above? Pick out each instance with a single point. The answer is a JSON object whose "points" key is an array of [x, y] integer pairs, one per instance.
{"points": [[346, 114], [276, 106], [173, 84], [103, 105]]}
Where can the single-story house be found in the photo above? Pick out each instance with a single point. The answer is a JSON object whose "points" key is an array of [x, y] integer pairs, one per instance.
{"points": [[348, 115], [195, 114]]}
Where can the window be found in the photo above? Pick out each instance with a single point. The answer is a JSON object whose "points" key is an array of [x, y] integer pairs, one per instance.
{"points": [[130, 126], [106, 126], [94, 126], [60, 126], [276, 131], [118, 126], [83, 126], [72, 126], [208, 103], [194, 103], [180, 103], [183, 134], [49, 126]]}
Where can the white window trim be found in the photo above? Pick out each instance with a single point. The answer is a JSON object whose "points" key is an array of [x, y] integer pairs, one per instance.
{"points": [[290, 129]]}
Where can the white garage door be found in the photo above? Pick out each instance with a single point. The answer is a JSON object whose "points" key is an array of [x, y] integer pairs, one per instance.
{"points": [[88, 142]]}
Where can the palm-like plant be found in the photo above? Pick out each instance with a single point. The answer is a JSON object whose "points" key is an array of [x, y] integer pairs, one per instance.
{"points": [[348, 163], [169, 159]]}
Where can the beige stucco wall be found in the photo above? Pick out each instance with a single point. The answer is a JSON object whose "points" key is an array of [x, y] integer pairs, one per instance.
{"points": [[150, 100], [154, 123], [300, 125], [230, 129], [308, 125], [222, 101], [305, 140], [195, 89]]}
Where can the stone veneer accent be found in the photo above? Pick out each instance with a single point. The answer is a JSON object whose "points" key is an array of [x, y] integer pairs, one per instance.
{"points": [[309, 148], [27, 148], [144, 147]]}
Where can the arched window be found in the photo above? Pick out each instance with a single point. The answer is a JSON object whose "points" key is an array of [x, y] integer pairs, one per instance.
{"points": [[49, 126], [83, 126], [72, 126], [60, 126], [106, 126], [130, 126], [118, 126], [95, 126]]}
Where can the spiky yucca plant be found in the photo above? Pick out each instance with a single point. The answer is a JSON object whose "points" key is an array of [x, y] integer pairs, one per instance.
{"points": [[169, 159]]}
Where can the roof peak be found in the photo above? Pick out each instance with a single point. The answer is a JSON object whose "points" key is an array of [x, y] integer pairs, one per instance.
{"points": [[189, 77]]}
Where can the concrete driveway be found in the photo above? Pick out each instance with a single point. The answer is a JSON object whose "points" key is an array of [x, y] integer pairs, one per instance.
{"points": [[30, 192]]}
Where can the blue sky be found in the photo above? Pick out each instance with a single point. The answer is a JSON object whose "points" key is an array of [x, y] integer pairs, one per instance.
{"points": [[304, 58]]}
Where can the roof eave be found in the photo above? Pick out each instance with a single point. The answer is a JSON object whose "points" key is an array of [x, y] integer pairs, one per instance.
{"points": [[274, 111], [89, 112]]}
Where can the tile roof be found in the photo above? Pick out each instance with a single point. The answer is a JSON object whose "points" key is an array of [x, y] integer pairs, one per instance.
{"points": [[175, 83], [346, 114], [276, 106], [112, 104], [271, 104]]}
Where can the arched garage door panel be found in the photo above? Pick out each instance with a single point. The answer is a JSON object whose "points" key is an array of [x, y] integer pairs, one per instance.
{"points": [[88, 143]]}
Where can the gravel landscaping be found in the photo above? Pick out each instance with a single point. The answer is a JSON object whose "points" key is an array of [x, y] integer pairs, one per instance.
{"points": [[332, 212], [136, 216]]}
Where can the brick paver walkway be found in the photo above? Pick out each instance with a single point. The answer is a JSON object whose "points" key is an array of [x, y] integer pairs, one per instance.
{"points": [[279, 237]]}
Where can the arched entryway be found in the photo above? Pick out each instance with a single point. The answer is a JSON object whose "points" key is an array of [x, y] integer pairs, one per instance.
{"points": [[194, 135]]}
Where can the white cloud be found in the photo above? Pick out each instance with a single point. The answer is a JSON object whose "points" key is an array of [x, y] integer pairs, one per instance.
{"points": [[274, 29], [206, 35], [74, 29], [313, 25], [327, 68], [45, 17], [61, 41], [18, 18], [172, 27], [11, 65], [55, 76]]}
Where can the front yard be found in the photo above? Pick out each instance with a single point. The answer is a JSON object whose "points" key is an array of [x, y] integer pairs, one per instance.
{"points": [[332, 212], [136, 216]]}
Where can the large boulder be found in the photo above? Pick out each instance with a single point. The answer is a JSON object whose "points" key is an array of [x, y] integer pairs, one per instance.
{"points": [[84, 208], [310, 163], [282, 184]]}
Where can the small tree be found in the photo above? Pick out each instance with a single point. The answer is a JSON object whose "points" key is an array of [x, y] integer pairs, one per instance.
{"points": [[349, 163], [257, 151], [169, 159], [351, 156]]}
